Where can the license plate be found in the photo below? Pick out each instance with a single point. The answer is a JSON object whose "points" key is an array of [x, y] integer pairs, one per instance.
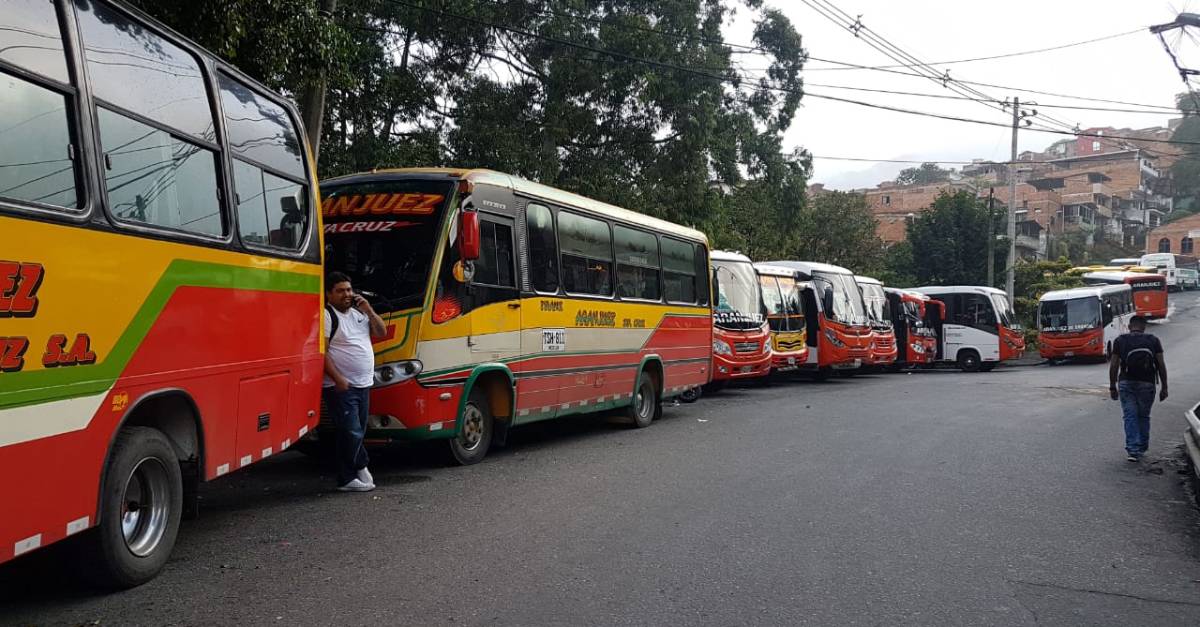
{"points": [[791, 361], [746, 369], [1069, 354]]}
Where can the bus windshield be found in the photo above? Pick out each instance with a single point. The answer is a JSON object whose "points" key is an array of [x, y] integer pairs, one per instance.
{"points": [[847, 300], [1004, 312], [875, 300], [781, 300], [383, 235], [739, 300], [1075, 314]]}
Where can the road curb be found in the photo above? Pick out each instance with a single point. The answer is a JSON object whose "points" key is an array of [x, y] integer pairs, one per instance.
{"points": [[1191, 438]]}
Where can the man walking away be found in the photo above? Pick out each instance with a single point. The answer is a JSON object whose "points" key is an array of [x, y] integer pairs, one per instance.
{"points": [[350, 322], [1135, 365]]}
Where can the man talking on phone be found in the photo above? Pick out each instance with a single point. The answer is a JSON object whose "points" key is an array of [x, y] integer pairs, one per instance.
{"points": [[350, 323]]}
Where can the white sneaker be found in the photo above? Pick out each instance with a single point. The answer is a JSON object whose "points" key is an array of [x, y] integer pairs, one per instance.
{"points": [[364, 476], [354, 485]]}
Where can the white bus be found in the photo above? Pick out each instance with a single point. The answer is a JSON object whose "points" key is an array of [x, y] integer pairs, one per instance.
{"points": [[1083, 321], [1182, 271], [979, 329]]}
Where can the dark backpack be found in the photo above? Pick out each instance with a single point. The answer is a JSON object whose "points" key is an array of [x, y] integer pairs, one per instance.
{"points": [[333, 320], [1141, 364]]}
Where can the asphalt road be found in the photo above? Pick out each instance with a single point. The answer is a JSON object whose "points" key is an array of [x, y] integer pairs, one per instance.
{"points": [[928, 498]]}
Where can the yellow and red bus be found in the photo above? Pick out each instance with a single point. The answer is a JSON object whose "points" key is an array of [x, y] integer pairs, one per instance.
{"points": [[160, 281], [839, 332], [883, 347], [509, 302], [1149, 289], [741, 346], [783, 302]]}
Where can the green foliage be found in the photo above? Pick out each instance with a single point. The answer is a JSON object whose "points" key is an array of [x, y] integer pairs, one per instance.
{"points": [[898, 265], [1185, 173], [1032, 279], [948, 242], [925, 174]]}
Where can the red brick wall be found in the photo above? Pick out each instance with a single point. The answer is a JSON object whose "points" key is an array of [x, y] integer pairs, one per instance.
{"points": [[1174, 231]]}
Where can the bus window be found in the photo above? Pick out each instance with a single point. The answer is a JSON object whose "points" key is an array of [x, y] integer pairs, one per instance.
{"points": [[543, 249], [773, 303], [271, 209], [976, 311], [792, 305], [134, 69], [586, 254], [637, 263], [31, 40], [36, 144], [680, 263], [495, 264]]}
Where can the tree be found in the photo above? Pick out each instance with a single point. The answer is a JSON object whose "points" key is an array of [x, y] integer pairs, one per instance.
{"points": [[1036, 278], [1185, 173], [838, 228], [926, 174], [950, 239]]}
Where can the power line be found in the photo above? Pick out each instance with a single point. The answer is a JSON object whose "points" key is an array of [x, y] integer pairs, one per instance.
{"points": [[950, 97], [923, 161]]}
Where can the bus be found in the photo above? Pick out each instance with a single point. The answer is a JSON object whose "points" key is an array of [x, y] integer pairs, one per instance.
{"points": [[916, 335], [979, 330], [1122, 262], [883, 349], [1182, 271], [1149, 290], [783, 303], [839, 332], [508, 302], [1083, 321], [741, 346], [160, 281]]}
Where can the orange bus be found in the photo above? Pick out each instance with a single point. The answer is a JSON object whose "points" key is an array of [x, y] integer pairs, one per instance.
{"points": [[916, 336], [1149, 290], [839, 333], [741, 344], [883, 337]]}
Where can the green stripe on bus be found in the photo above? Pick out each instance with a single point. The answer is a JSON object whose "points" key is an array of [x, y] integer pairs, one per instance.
{"points": [[38, 386]]}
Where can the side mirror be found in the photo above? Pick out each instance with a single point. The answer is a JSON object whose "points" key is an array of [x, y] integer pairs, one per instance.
{"points": [[468, 236]]}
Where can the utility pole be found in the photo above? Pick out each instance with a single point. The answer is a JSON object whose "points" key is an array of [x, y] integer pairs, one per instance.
{"points": [[991, 237], [312, 102], [1010, 263]]}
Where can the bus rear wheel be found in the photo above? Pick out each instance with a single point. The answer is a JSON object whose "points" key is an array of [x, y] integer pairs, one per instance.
{"points": [[140, 506], [474, 437], [968, 361], [645, 405]]}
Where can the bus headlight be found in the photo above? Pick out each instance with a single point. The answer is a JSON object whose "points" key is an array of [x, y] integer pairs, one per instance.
{"points": [[397, 372], [833, 339], [721, 347], [918, 349], [1094, 342]]}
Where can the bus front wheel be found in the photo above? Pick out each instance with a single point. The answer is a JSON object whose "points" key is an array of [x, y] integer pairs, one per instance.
{"points": [[968, 361], [474, 437], [140, 506]]}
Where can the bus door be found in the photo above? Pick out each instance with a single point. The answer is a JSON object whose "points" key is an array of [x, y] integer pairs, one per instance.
{"points": [[812, 321], [495, 317]]}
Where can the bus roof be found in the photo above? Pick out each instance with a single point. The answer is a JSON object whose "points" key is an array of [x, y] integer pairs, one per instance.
{"points": [[728, 255], [1083, 292], [808, 267], [1122, 276], [867, 280], [934, 290], [528, 188], [774, 270], [906, 293], [1125, 261]]}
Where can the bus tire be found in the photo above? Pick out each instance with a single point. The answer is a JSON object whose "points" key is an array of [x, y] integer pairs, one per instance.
{"points": [[644, 406], [968, 360], [474, 439], [141, 502]]}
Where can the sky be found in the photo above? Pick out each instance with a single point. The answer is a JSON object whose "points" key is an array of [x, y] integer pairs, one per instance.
{"points": [[1132, 67]]}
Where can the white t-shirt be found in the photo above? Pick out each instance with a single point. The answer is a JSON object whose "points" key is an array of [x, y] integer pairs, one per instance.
{"points": [[350, 348]]}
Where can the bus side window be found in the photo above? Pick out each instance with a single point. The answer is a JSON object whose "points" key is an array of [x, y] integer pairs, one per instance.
{"points": [[156, 125], [268, 173], [703, 290], [637, 264], [684, 271], [543, 248], [37, 141], [586, 253], [494, 267]]}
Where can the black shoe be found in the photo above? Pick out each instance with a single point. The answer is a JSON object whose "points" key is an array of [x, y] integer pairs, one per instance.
{"points": [[1133, 458]]}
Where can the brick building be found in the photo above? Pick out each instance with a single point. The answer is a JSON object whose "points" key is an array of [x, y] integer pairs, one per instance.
{"points": [[1175, 237], [894, 206]]}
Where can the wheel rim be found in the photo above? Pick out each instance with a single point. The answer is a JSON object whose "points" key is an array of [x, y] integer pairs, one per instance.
{"points": [[472, 431], [642, 401], [145, 506]]}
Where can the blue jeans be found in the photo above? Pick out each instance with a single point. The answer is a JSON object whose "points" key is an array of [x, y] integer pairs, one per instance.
{"points": [[1137, 397], [349, 412]]}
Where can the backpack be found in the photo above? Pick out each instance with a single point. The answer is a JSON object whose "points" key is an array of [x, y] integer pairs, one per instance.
{"points": [[333, 321], [1140, 364]]}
